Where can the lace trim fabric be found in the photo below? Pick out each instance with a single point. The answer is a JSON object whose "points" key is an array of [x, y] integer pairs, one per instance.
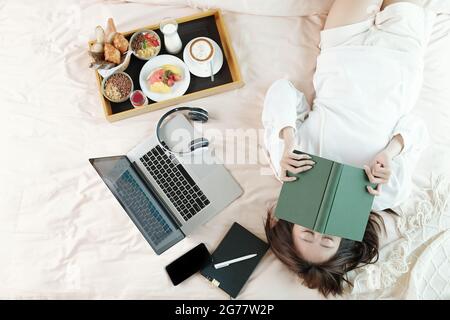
{"points": [[420, 220], [430, 277]]}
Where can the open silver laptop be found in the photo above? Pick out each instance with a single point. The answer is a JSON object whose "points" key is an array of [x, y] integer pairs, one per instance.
{"points": [[168, 196]]}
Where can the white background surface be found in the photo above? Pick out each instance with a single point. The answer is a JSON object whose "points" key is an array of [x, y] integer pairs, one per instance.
{"points": [[62, 234]]}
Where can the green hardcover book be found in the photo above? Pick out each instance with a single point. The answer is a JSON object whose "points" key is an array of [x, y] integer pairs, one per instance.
{"points": [[331, 198]]}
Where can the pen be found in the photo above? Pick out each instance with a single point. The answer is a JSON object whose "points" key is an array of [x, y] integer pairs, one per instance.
{"points": [[228, 262]]}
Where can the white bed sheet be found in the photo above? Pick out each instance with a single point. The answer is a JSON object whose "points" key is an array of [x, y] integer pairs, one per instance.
{"points": [[62, 234]]}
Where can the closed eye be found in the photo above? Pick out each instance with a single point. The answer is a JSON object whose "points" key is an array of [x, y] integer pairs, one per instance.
{"points": [[327, 242], [308, 236]]}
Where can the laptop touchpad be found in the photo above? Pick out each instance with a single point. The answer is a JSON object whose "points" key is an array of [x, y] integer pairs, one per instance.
{"points": [[200, 171], [199, 163]]}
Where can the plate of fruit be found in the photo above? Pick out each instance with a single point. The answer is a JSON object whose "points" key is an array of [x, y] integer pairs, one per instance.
{"points": [[164, 77]]}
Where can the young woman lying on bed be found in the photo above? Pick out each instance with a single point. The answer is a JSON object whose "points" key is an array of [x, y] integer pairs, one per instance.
{"points": [[368, 78]]}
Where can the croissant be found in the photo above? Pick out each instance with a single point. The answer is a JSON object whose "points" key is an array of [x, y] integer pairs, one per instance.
{"points": [[112, 54], [120, 42]]}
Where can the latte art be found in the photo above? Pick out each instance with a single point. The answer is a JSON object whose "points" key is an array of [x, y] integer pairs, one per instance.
{"points": [[201, 50]]}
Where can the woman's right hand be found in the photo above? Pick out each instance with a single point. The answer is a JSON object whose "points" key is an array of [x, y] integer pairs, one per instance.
{"points": [[294, 163], [290, 161]]}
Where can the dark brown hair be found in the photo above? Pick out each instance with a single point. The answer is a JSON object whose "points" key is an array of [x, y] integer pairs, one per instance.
{"points": [[328, 277]]}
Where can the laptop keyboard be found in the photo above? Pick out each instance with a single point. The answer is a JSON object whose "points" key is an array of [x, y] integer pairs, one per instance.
{"points": [[176, 183], [142, 208]]}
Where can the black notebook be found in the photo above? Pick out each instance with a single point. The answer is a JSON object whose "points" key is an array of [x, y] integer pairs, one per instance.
{"points": [[238, 242]]}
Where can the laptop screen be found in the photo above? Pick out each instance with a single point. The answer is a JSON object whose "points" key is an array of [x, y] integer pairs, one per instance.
{"points": [[138, 201]]}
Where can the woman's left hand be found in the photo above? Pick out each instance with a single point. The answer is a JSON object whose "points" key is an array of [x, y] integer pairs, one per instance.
{"points": [[378, 171]]}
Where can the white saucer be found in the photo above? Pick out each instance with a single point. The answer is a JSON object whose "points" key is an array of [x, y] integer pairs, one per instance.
{"points": [[178, 89], [203, 70]]}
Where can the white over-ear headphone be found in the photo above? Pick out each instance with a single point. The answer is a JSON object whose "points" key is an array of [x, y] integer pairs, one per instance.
{"points": [[194, 114]]}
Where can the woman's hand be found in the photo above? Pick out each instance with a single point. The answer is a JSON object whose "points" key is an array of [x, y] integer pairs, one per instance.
{"points": [[290, 161], [294, 163], [378, 171]]}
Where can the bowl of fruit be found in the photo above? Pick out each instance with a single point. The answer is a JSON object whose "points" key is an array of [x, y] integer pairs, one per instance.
{"points": [[145, 44]]}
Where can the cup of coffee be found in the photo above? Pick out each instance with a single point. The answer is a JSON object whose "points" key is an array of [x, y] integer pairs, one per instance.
{"points": [[201, 50]]}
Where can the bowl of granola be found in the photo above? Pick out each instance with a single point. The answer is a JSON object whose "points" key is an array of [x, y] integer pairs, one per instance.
{"points": [[117, 87], [145, 44]]}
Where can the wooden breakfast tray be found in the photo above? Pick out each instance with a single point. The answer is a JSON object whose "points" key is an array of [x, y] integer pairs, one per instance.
{"points": [[207, 24]]}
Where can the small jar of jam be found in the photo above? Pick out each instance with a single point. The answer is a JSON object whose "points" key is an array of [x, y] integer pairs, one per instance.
{"points": [[138, 98]]}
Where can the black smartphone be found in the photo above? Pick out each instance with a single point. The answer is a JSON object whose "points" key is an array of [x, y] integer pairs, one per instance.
{"points": [[189, 263]]}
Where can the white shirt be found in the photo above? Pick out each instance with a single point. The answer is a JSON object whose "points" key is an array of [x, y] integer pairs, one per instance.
{"points": [[364, 96]]}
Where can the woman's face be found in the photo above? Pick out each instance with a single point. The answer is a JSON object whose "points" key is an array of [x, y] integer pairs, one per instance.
{"points": [[313, 246]]}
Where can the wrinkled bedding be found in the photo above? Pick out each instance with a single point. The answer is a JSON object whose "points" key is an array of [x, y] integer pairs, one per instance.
{"points": [[62, 233]]}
